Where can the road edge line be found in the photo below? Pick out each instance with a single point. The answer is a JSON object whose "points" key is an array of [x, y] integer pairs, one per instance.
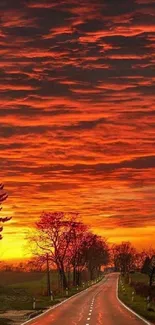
{"points": [[128, 308], [56, 306], [53, 307]]}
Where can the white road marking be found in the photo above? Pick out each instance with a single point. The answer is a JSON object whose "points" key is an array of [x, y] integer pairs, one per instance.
{"points": [[88, 318]]}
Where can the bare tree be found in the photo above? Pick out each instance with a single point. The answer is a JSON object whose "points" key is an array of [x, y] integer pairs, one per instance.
{"points": [[95, 252], [75, 258], [54, 236], [124, 257]]}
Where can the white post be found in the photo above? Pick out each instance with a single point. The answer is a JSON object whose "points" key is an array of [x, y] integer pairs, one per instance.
{"points": [[67, 292], [34, 303], [148, 302], [133, 296], [52, 298], [123, 289]]}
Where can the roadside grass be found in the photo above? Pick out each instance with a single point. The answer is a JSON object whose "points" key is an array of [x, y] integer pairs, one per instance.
{"points": [[18, 294], [17, 290], [41, 304], [139, 305], [5, 321]]}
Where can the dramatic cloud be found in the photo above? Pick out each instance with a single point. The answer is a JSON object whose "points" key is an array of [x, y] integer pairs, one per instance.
{"points": [[77, 116]]}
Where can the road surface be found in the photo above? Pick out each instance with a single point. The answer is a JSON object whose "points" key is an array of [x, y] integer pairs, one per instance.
{"points": [[96, 306]]}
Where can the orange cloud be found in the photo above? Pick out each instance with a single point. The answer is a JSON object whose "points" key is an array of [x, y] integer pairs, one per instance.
{"points": [[77, 116]]}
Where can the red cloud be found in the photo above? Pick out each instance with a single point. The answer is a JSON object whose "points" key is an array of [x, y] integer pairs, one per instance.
{"points": [[77, 113]]}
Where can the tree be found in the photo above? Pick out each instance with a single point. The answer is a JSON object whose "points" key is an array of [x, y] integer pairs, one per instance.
{"points": [[69, 246], [75, 258], [95, 253], [54, 236], [145, 265], [3, 197], [124, 257], [149, 269]]}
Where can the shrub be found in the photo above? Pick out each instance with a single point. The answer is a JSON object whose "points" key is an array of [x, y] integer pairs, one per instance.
{"points": [[143, 289]]}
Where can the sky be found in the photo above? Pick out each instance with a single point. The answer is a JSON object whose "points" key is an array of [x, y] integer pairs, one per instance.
{"points": [[77, 131]]}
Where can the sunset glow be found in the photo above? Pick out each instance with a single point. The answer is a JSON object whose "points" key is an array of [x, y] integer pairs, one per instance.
{"points": [[77, 119]]}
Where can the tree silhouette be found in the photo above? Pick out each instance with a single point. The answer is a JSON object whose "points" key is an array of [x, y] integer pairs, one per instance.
{"points": [[70, 246], [76, 260], [3, 197], [55, 232], [95, 253], [146, 265], [124, 257]]}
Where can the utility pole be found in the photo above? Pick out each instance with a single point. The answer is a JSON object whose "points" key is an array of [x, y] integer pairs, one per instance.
{"points": [[48, 276]]}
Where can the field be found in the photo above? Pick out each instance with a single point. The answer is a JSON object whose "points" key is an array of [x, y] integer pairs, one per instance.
{"points": [[139, 277], [33, 282], [17, 293], [18, 289], [139, 303], [8, 278]]}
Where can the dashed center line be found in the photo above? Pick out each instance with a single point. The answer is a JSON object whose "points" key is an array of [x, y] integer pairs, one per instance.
{"points": [[90, 311]]}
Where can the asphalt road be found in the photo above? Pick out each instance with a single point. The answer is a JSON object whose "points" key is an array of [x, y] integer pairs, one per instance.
{"points": [[96, 306]]}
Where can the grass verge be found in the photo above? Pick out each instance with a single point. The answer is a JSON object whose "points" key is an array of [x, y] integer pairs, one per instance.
{"points": [[5, 321], [139, 304]]}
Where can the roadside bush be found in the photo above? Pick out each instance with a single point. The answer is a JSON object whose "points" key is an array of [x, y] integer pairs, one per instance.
{"points": [[143, 289]]}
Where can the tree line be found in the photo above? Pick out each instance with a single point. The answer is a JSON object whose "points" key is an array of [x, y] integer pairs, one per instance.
{"points": [[126, 258], [72, 248], [69, 245]]}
